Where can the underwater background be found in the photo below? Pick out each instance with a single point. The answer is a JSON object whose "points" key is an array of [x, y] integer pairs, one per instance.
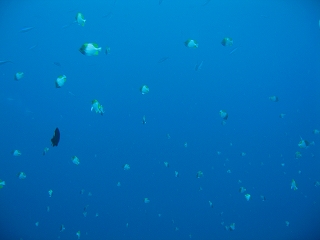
{"points": [[275, 52]]}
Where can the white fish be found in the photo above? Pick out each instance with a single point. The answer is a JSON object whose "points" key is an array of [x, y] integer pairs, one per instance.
{"points": [[80, 19], [190, 43], [90, 49]]}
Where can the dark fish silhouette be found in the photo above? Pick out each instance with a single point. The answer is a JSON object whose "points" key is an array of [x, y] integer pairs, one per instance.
{"points": [[57, 64], [56, 138], [163, 59], [5, 61]]}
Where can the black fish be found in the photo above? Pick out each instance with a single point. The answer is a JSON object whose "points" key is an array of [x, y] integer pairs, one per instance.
{"points": [[56, 138], [5, 61], [57, 64], [162, 59]]}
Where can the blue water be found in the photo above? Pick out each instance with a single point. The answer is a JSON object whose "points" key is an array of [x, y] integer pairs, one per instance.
{"points": [[278, 53]]}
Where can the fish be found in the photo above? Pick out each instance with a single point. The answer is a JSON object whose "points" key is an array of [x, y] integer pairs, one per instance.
{"points": [[126, 167], [108, 15], [90, 49], [21, 175], [199, 174], [57, 64], [97, 107], [78, 234], [162, 59], [274, 98], [56, 138], [45, 150], [233, 51], [190, 43], [62, 228], [223, 114], [33, 47], [80, 19], [26, 29], [316, 131], [160, 1], [68, 25], [5, 61], [107, 51], [18, 76], [16, 153], [247, 196], [232, 227], [294, 185], [144, 89], [2, 183], [50, 192], [198, 66], [75, 160], [60, 81], [144, 119], [305, 144], [227, 41], [298, 155]]}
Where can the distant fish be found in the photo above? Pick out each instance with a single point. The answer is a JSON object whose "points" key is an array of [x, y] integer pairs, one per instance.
{"points": [[162, 59], [108, 15], [198, 66], [68, 25], [26, 29], [5, 61], [57, 64], [160, 1], [33, 47], [233, 51], [80, 19]]}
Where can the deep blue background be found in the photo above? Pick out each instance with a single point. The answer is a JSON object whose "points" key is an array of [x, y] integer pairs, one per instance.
{"points": [[278, 46]]}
